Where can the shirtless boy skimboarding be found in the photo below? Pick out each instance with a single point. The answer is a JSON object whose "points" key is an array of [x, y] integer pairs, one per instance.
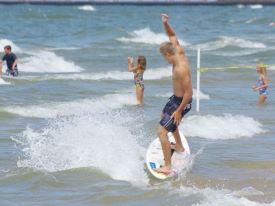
{"points": [[180, 102]]}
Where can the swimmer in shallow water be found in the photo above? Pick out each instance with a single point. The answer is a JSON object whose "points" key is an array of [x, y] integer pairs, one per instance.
{"points": [[138, 71], [262, 84], [11, 61]]}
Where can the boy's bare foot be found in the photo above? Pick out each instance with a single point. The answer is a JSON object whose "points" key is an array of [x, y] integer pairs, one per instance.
{"points": [[165, 170]]}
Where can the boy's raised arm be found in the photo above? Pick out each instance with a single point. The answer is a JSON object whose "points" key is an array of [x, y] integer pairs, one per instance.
{"points": [[169, 30]]}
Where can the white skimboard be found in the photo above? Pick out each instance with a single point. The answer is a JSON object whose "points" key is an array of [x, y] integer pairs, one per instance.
{"points": [[154, 157]]}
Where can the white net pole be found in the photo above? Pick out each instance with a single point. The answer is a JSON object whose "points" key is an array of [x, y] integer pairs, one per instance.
{"points": [[198, 80]]}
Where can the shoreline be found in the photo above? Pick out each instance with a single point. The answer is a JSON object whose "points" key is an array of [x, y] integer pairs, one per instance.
{"points": [[149, 2]]}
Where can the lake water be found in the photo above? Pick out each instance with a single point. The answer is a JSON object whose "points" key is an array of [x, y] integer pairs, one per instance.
{"points": [[71, 134]]}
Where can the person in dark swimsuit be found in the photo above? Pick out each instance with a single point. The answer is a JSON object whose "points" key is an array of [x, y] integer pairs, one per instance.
{"points": [[11, 61]]}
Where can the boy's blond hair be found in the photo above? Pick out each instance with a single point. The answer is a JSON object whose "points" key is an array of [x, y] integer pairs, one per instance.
{"points": [[167, 48]]}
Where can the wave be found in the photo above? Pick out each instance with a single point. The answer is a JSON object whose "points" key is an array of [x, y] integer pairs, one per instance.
{"points": [[244, 52], [202, 95], [5, 42], [150, 74], [53, 110], [73, 143], [99, 141], [91, 134], [256, 6], [85, 133], [146, 36], [249, 21], [238, 53], [41, 61], [86, 8], [63, 48], [211, 197], [221, 127], [3, 82], [47, 62], [240, 6], [247, 191], [226, 41]]}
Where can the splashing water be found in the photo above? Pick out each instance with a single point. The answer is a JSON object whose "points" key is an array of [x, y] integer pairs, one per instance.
{"points": [[221, 127]]}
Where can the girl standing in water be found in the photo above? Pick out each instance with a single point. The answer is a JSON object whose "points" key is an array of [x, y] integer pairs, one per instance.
{"points": [[262, 83], [138, 71]]}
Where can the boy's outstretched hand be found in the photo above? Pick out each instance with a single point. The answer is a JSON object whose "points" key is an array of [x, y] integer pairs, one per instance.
{"points": [[164, 17]]}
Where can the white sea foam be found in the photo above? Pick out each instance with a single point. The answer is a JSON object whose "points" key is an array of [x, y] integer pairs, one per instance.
{"points": [[147, 36], [101, 141], [238, 53], [225, 41], [3, 82], [48, 62], [52, 110], [110, 75], [5, 42], [210, 197], [251, 20], [150, 74], [86, 8], [201, 94], [41, 61], [240, 6], [86, 133], [221, 127], [164, 95], [243, 52], [256, 6], [62, 48], [247, 191], [74, 141]]}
